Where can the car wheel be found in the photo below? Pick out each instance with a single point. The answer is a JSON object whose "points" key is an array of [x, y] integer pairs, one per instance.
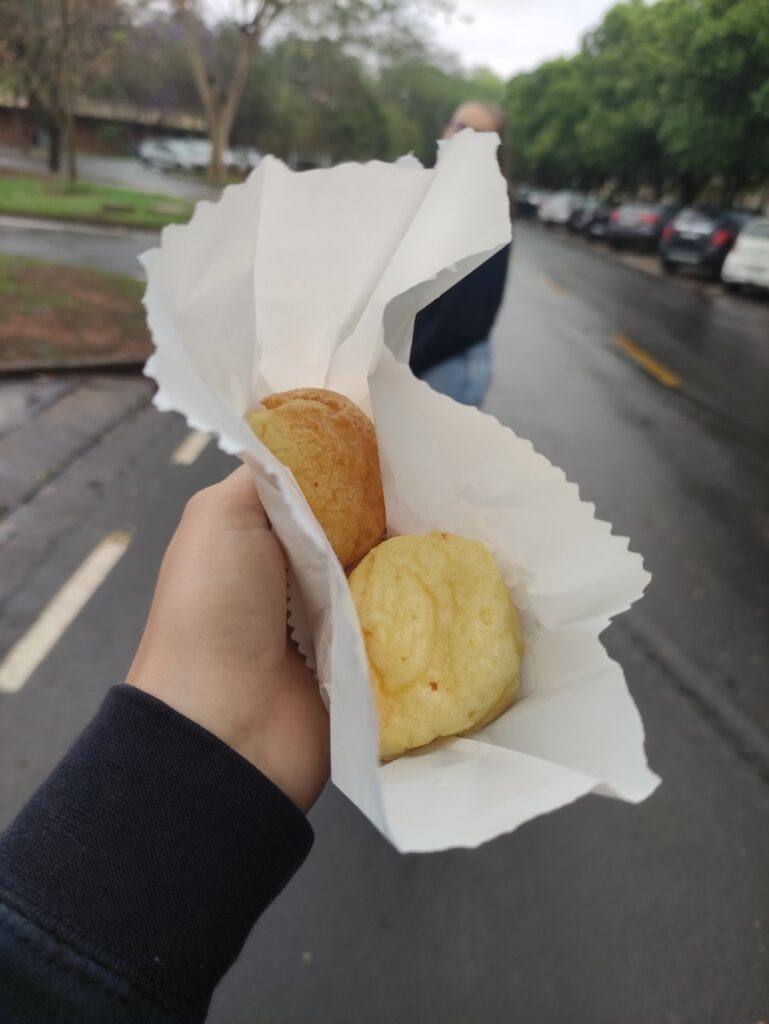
{"points": [[732, 287], [669, 267], [616, 246]]}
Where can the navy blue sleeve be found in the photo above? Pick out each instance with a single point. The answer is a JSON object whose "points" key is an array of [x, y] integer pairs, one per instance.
{"points": [[130, 881], [462, 317]]}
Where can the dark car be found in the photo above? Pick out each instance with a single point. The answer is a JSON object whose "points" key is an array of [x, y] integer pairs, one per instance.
{"points": [[700, 239], [595, 223], [638, 225], [527, 201], [582, 213]]}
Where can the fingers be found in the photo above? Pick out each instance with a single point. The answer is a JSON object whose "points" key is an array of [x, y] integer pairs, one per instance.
{"points": [[236, 495]]}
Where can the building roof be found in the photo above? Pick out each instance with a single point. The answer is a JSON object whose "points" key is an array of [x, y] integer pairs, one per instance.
{"points": [[124, 113]]}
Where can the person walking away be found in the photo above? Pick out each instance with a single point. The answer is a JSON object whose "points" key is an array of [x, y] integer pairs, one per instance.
{"points": [[451, 348]]}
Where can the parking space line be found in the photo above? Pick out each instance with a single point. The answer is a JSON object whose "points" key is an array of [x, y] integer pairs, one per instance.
{"points": [[190, 448], [36, 644], [647, 361]]}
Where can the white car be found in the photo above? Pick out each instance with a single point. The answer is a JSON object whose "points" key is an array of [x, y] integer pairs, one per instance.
{"points": [[193, 154], [174, 154], [244, 158], [557, 208], [748, 262], [158, 154]]}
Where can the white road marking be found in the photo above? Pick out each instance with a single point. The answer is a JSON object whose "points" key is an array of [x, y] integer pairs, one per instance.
{"points": [[53, 621], [188, 451]]}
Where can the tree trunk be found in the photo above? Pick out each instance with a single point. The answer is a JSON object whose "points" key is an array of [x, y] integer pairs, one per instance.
{"points": [[54, 147], [224, 113], [220, 109], [69, 145], [219, 140], [23, 128], [67, 91]]}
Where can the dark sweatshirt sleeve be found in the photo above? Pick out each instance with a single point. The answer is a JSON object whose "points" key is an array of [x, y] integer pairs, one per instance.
{"points": [[462, 317], [129, 882]]}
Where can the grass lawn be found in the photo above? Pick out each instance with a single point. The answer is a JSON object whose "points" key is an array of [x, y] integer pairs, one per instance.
{"points": [[37, 196], [56, 316]]}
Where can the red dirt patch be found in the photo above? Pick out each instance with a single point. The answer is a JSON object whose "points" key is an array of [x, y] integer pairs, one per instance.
{"points": [[52, 315]]}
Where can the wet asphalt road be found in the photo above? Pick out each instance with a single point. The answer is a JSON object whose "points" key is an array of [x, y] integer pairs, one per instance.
{"points": [[601, 913], [112, 249]]}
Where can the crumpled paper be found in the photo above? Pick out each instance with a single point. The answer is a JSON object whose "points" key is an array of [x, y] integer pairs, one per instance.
{"points": [[314, 279]]}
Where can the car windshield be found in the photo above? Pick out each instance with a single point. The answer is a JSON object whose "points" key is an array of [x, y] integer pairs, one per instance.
{"points": [[694, 221], [634, 209], [757, 229]]}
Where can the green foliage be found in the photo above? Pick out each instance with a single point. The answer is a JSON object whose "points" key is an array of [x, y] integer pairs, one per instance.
{"points": [[150, 67], [420, 97], [316, 97], [672, 95], [310, 97], [327, 89]]}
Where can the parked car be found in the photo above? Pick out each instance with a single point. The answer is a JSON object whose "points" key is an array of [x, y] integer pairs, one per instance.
{"points": [[596, 224], [638, 224], [528, 201], [748, 261], [195, 154], [158, 154], [700, 239], [582, 213], [173, 154], [557, 208], [242, 158]]}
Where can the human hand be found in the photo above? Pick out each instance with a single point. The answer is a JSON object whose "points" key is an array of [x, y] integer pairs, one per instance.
{"points": [[215, 644]]}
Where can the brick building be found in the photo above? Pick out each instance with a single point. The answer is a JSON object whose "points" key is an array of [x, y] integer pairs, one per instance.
{"points": [[100, 127]]}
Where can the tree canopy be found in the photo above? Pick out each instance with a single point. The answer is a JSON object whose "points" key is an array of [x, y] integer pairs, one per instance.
{"points": [[672, 95], [668, 97]]}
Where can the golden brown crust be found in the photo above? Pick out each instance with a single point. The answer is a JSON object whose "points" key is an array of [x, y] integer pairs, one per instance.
{"points": [[442, 637], [330, 446]]}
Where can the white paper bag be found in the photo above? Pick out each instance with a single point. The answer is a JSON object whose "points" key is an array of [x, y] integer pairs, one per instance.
{"points": [[314, 279]]}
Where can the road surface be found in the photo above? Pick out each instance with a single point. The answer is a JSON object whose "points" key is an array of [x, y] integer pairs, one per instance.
{"points": [[78, 245], [121, 171], [651, 395]]}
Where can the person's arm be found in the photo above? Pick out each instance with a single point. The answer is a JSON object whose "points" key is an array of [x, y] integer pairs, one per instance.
{"points": [[461, 317], [130, 881]]}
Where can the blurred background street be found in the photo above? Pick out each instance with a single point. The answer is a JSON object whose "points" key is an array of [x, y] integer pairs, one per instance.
{"points": [[638, 366], [654, 913]]}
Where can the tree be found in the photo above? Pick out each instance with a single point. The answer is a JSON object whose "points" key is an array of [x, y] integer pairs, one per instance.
{"points": [[623, 69], [670, 97], [54, 46], [544, 110], [150, 68], [221, 84], [426, 94], [311, 96], [715, 100], [220, 95]]}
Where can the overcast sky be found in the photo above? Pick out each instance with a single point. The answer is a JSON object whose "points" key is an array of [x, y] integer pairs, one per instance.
{"points": [[516, 35]]}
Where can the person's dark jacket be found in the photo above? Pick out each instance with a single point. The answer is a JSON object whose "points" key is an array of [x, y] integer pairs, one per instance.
{"points": [[461, 317], [129, 882]]}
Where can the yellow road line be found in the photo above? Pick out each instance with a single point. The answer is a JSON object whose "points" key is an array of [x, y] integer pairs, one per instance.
{"points": [[554, 286], [645, 359], [188, 451], [54, 620]]}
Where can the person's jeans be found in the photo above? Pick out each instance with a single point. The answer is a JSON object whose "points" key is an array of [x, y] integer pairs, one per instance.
{"points": [[465, 377]]}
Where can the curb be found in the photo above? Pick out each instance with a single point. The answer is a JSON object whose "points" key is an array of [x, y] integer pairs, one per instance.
{"points": [[39, 222]]}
